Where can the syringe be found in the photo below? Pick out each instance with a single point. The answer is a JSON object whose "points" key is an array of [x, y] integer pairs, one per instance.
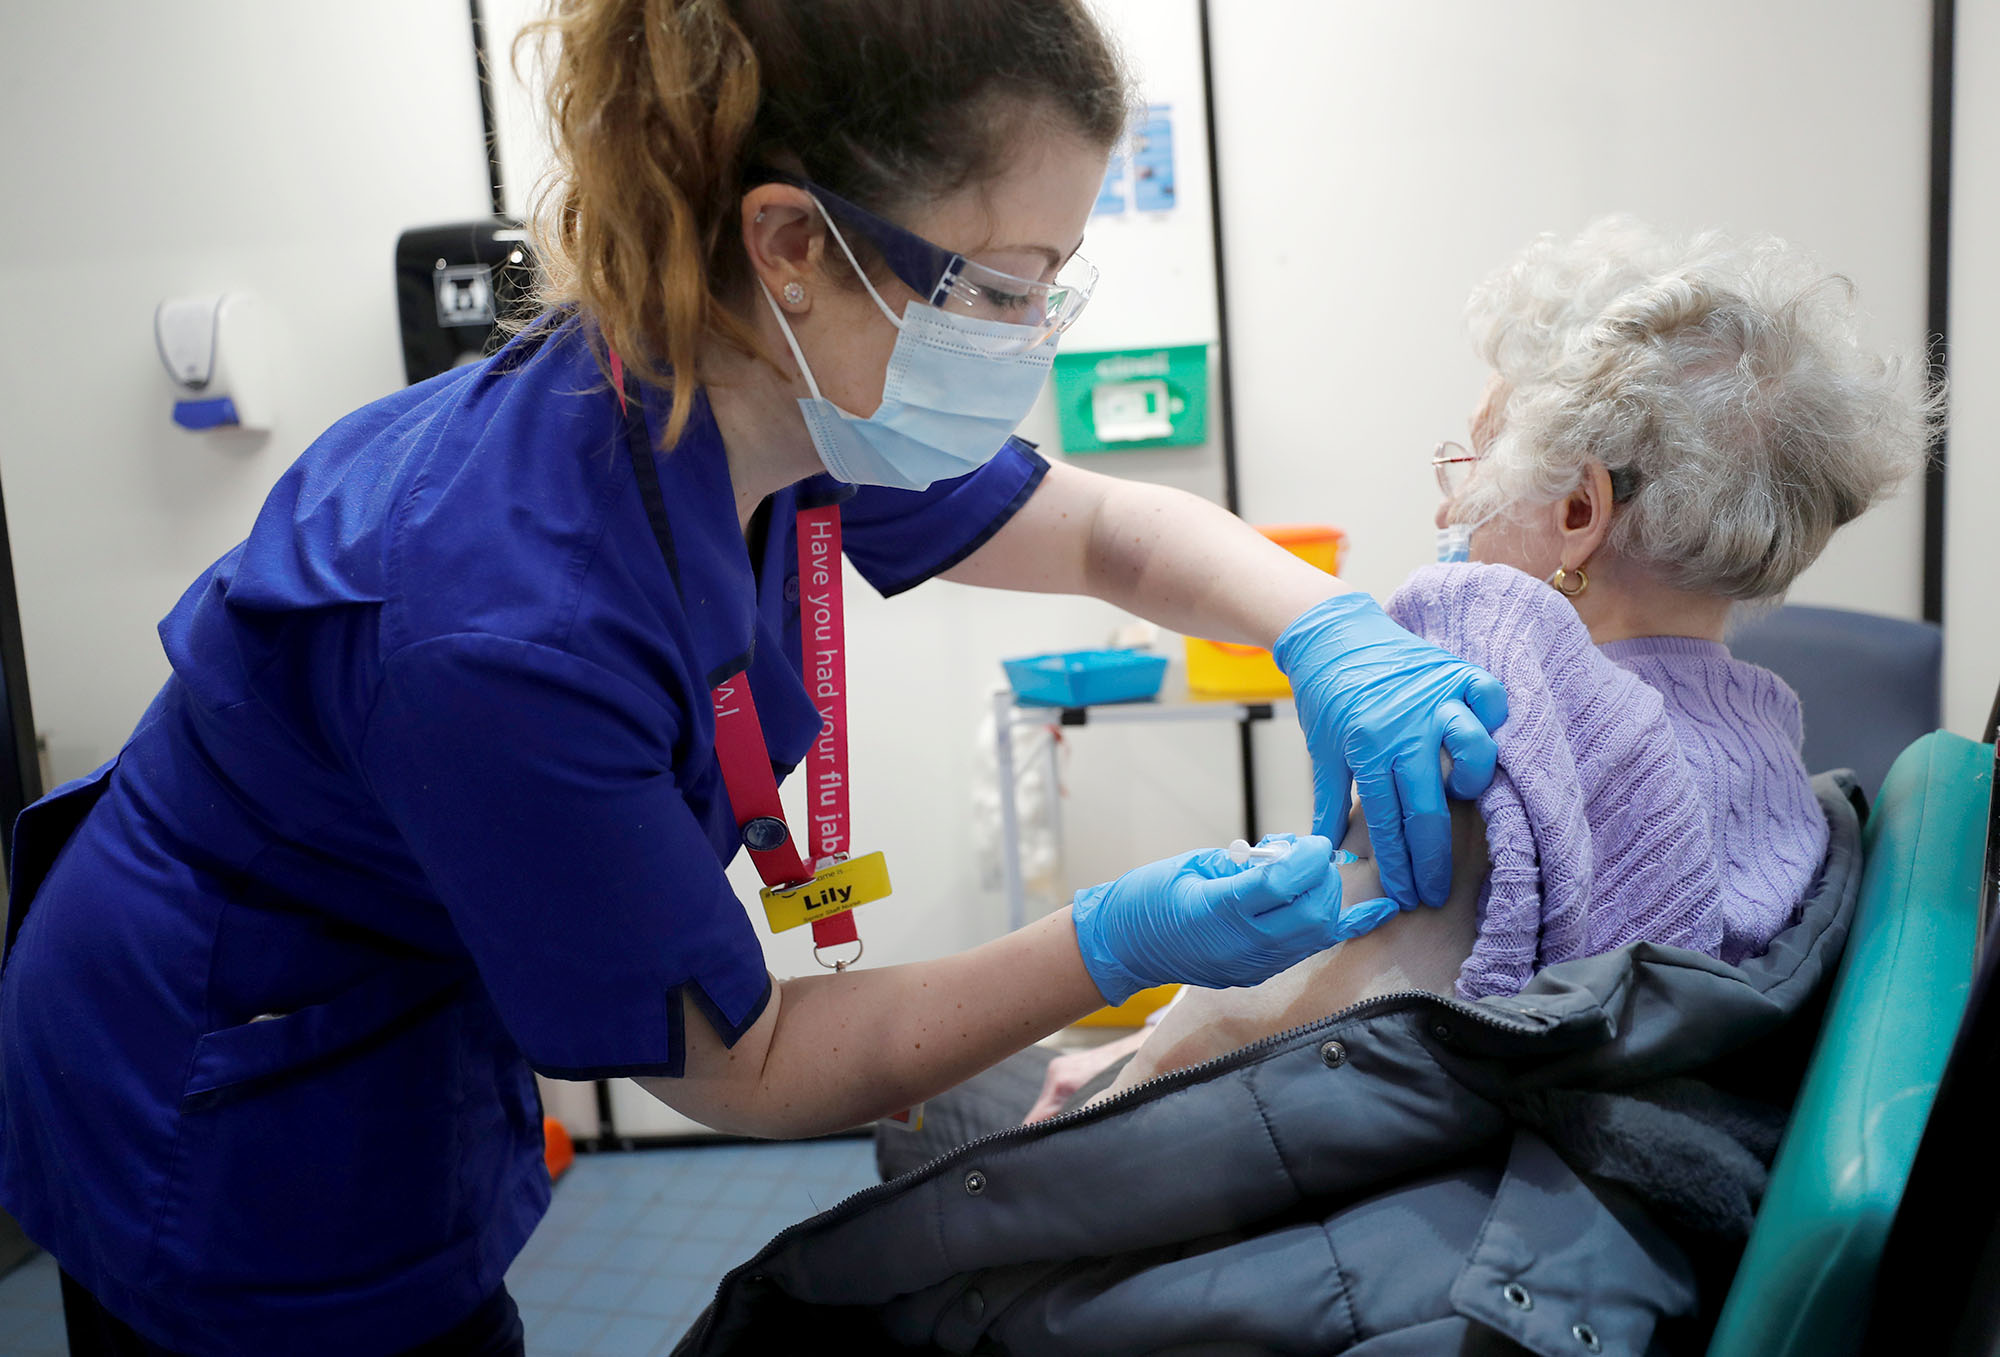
{"points": [[1242, 850]]}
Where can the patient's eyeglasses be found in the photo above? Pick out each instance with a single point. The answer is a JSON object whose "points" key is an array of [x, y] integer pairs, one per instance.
{"points": [[1453, 464]]}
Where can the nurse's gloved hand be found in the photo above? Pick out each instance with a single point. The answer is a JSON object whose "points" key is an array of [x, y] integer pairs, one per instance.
{"points": [[1377, 703], [1202, 919]]}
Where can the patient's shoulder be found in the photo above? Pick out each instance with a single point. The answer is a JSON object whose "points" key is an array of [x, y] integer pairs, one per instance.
{"points": [[1495, 616]]}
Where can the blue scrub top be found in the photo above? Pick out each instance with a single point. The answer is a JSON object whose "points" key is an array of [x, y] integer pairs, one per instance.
{"points": [[429, 800]]}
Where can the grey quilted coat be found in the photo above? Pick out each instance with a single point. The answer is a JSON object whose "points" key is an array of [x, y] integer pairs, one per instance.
{"points": [[1567, 1171]]}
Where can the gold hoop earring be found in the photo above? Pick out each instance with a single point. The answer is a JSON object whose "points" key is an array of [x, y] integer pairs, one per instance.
{"points": [[1560, 581]]}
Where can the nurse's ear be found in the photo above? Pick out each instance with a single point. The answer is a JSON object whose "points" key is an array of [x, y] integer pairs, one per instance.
{"points": [[784, 238]]}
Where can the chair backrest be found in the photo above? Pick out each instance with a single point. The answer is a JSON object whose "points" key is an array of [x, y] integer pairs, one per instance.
{"points": [[1869, 685], [1804, 1286], [1939, 1286]]}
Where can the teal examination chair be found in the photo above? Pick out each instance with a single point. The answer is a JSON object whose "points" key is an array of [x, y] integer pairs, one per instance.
{"points": [[1807, 1284]]}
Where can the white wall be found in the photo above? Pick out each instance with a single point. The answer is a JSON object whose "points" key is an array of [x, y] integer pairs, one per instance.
{"points": [[1972, 547], [156, 150], [1376, 161]]}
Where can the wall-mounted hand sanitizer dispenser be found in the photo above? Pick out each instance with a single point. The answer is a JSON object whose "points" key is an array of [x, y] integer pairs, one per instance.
{"points": [[215, 348]]}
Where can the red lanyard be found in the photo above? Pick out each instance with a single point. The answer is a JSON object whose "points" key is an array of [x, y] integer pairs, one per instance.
{"points": [[739, 735]]}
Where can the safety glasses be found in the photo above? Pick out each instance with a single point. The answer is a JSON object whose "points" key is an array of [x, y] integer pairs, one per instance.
{"points": [[951, 282]]}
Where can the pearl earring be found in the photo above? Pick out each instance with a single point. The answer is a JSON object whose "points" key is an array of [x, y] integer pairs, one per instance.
{"points": [[794, 294]]}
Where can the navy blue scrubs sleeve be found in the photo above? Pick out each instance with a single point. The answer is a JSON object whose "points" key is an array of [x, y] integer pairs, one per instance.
{"points": [[898, 539], [537, 792]]}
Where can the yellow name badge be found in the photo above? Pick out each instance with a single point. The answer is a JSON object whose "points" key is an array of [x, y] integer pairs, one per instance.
{"points": [[841, 887]]}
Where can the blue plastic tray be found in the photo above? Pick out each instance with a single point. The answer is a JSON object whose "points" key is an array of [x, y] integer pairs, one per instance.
{"points": [[1082, 678]]}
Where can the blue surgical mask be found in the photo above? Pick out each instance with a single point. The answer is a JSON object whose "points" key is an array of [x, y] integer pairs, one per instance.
{"points": [[1454, 543], [955, 390]]}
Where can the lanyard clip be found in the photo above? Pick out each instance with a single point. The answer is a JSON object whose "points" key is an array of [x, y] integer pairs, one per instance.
{"points": [[838, 966]]}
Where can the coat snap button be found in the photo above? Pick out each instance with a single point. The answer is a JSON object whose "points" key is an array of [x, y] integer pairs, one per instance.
{"points": [[975, 1183], [975, 1305], [1587, 1336], [791, 588], [1517, 1296], [762, 833], [1442, 1031], [1333, 1055]]}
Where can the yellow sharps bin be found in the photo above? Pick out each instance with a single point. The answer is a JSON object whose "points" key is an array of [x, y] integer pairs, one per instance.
{"points": [[1220, 669]]}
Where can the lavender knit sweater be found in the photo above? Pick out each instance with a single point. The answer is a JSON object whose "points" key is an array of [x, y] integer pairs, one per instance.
{"points": [[1648, 790]]}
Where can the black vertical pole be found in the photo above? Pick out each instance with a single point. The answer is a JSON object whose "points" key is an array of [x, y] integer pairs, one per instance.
{"points": [[1227, 392], [20, 761], [1246, 750], [1943, 35], [483, 69]]}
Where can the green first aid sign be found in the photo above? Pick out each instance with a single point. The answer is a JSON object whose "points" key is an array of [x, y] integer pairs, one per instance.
{"points": [[1112, 400]]}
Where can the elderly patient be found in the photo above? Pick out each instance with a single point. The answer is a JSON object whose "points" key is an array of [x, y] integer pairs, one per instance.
{"points": [[1671, 430]]}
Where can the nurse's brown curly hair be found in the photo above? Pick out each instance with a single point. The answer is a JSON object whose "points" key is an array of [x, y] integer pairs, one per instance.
{"points": [[659, 107]]}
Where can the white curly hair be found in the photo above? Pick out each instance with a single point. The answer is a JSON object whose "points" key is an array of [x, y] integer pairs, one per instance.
{"points": [[1722, 383]]}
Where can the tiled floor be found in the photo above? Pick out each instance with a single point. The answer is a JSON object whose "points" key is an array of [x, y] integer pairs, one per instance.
{"points": [[31, 1310], [628, 1255]]}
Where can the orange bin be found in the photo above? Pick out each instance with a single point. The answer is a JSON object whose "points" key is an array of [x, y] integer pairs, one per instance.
{"points": [[1220, 669], [558, 1151]]}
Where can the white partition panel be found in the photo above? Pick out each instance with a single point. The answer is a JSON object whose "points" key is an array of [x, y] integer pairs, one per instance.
{"points": [[1972, 546], [1376, 161]]}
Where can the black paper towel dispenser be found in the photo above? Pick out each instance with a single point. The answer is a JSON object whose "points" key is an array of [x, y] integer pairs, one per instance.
{"points": [[455, 284]]}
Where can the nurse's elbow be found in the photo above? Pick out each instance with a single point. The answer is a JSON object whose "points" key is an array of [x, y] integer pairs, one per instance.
{"points": [[739, 1115]]}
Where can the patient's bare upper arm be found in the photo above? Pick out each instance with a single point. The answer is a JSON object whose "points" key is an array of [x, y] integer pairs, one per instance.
{"points": [[1419, 949]]}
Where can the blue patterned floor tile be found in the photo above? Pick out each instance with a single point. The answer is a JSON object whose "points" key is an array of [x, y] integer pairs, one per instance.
{"points": [[723, 1224], [566, 1330], [33, 1285], [545, 1284], [581, 1248], [641, 1248], [662, 1218], [699, 1258], [666, 1298], [39, 1329], [628, 1336], [618, 1214], [600, 1290], [747, 1190]]}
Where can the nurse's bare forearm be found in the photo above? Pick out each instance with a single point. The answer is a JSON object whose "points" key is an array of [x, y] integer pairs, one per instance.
{"points": [[1163, 554], [833, 1051], [1183, 562]]}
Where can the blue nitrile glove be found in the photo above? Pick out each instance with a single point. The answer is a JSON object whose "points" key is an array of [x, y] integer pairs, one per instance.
{"points": [[1204, 920], [1376, 703]]}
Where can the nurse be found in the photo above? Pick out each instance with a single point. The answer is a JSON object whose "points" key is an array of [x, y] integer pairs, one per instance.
{"points": [[458, 741]]}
